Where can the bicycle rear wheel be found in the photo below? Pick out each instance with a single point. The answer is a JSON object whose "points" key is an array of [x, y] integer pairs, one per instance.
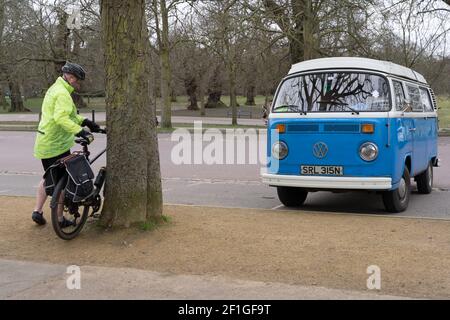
{"points": [[70, 212]]}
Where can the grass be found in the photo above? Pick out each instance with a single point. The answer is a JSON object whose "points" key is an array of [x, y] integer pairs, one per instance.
{"points": [[148, 226], [34, 104], [444, 111], [98, 104], [32, 126], [152, 225]]}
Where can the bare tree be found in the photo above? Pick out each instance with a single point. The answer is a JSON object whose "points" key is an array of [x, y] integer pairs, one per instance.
{"points": [[160, 13], [222, 29], [3, 102]]}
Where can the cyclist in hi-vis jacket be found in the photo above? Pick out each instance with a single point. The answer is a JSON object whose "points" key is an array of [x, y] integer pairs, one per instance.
{"points": [[58, 127]]}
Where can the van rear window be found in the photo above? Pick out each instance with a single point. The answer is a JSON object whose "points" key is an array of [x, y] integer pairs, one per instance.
{"points": [[333, 92]]}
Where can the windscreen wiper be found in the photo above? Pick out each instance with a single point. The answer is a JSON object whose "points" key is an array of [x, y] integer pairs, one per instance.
{"points": [[291, 107], [340, 104]]}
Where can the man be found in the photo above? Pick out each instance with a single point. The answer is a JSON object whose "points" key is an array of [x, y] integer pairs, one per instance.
{"points": [[58, 127]]}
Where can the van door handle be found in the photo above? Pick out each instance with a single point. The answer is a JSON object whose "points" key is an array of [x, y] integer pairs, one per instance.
{"points": [[412, 129]]}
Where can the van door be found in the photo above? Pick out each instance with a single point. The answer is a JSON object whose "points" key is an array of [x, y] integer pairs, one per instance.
{"points": [[431, 126], [419, 159], [404, 124]]}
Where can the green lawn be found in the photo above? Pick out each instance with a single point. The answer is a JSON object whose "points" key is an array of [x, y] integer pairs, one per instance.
{"points": [[444, 111], [98, 104], [34, 104]]}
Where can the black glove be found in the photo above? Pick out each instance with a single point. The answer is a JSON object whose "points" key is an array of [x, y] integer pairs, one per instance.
{"points": [[91, 125], [85, 135]]}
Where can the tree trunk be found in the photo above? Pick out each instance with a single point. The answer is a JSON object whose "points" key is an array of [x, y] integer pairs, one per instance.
{"points": [[16, 97], [252, 74], [173, 95], [310, 27], [250, 96], [133, 184], [214, 91], [296, 37], [3, 102], [62, 52], [190, 83], [292, 31], [202, 105], [202, 99], [77, 43], [166, 117], [214, 100], [296, 51], [61, 48], [232, 81]]}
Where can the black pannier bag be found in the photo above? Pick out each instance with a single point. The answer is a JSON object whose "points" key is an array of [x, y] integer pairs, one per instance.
{"points": [[51, 177], [79, 184]]}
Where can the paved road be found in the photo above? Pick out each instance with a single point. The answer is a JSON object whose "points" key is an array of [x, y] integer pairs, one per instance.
{"points": [[222, 185]]}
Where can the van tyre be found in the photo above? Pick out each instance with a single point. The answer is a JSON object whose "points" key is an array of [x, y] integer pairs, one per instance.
{"points": [[291, 196], [425, 180], [397, 200]]}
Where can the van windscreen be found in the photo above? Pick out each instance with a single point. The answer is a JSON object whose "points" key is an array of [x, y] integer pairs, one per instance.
{"points": [[333, 92]]}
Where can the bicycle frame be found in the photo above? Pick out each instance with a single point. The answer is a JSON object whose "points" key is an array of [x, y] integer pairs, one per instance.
{"points": [[87, 153]]}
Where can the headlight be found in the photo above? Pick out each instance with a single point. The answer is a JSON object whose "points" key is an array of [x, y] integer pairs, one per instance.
{"points": [[368, 151], [279, 150]]}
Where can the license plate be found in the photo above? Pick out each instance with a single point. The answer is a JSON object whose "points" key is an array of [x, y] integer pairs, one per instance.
{"points": [[322, 170]]}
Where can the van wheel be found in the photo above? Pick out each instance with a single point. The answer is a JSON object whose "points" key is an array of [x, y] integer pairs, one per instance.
{"points": [[291, 196], [397, 200], [425, 180]]}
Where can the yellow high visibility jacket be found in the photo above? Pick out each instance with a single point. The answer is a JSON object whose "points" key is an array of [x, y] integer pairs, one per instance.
{"points": [[59, 122]]}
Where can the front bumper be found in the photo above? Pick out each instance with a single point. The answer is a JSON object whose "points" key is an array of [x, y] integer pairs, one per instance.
{"points": [[326, 182]]}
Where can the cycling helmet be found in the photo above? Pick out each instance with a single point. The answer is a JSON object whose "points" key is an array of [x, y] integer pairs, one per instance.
{"points": [[74, 69]]}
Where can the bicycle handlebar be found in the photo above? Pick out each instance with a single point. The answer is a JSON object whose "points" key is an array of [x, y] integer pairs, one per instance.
{"points": [[84, 142]]}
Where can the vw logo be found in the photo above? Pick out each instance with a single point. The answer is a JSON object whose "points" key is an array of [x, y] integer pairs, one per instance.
{"points": [[320, 150]]}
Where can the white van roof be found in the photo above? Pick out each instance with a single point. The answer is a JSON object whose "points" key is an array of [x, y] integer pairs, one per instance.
{"points": [[357, 63]]}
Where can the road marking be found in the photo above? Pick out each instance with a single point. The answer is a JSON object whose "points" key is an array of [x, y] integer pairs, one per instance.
{"points": [[12, 173], [214, 181], [196, 183], [277, 207]]}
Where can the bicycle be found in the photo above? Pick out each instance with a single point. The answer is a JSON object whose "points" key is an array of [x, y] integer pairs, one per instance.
{"points": [[60, 204]]}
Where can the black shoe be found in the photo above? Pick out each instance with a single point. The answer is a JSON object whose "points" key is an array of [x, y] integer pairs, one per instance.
{"points": [[38, 218], [65, 223]]}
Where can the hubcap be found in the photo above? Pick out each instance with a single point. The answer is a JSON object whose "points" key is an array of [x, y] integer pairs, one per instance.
{"points": [[402, 189]]}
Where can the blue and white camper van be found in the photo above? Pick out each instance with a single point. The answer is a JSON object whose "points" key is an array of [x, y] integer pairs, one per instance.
{"points": [[352, 124]]}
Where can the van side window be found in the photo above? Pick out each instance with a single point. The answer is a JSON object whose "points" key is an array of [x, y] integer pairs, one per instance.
{"points": [[399, 95], [426, 101], [416, 100]]}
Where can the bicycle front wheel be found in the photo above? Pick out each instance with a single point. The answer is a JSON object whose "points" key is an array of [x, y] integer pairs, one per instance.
{"points": [[68, 211]]}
